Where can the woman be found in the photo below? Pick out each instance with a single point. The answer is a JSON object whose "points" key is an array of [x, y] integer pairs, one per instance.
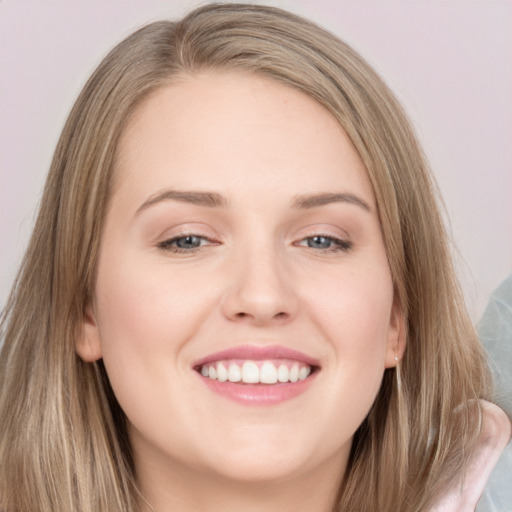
{"points": [[238, 293]]}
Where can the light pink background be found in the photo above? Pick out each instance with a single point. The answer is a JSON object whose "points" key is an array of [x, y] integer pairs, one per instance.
{"points": [[450, 63]]}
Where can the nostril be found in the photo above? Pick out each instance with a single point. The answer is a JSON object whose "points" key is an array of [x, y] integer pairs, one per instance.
{"points": [[278, 316]]}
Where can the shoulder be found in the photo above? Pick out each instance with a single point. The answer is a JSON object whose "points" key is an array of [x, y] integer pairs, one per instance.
{"points": [[494, 436]]}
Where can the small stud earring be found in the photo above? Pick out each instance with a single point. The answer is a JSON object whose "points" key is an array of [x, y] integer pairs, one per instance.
{"points": [[396, 358]]}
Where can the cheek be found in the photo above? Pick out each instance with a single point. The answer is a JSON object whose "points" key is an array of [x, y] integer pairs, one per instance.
{"points": [[145, 314], [353, 311], [136, 298], [354, 307], [145, 317]]}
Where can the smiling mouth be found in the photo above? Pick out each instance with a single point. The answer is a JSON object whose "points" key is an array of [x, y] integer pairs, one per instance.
{"points": [[266, 372], [258, 375]]}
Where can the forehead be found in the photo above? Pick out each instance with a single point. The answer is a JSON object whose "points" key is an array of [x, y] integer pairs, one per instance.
{"points": [[219, 128]]}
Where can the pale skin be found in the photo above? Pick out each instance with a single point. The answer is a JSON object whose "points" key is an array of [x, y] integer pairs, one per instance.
{"points": [[285, 249]]}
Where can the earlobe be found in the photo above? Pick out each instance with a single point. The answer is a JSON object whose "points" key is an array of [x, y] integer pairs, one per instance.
{"points": [[87, 344], [396, 336]]}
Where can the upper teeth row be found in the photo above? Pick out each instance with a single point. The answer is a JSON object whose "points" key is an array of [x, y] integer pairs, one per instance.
{"points": [[252, 373]]}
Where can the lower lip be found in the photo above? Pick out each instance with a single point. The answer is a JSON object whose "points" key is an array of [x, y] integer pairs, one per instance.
{"points": [[259, 394]]}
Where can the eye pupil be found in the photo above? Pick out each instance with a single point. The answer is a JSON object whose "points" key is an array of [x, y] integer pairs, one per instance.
{"points": [[319, 242], [188, 242]]}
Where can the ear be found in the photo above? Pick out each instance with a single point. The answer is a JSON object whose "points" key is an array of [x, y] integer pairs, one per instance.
{"points": [[396, 341], [88, 344]]}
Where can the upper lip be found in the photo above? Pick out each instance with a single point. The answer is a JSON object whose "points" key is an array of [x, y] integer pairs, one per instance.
{"points": [[257, 353]]}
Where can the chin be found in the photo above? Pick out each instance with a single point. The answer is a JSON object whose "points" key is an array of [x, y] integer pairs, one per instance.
{"points": [[262, 468], [259, 458]]}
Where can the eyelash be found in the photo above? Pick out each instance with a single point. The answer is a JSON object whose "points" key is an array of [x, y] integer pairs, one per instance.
{"points": [[338, 245], [167, 245]]}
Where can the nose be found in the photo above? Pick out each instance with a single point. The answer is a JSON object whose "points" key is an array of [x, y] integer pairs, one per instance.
{"points": [[261, 290]]}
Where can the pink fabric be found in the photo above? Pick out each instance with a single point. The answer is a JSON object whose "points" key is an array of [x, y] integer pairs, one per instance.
{"points": [[496, 430]]}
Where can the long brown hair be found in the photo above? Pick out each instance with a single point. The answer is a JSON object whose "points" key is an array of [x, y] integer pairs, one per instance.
{"points": [[63, 442]]}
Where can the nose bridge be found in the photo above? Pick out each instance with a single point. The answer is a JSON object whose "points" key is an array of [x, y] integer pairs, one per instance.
{"points": [[261, 289]]}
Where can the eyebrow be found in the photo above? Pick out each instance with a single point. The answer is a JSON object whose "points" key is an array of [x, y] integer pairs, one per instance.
{"points": [[216, 200], [313, 200], [209, 199]]}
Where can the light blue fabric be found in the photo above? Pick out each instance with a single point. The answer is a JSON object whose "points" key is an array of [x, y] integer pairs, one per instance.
{"points": [[495, 331]]}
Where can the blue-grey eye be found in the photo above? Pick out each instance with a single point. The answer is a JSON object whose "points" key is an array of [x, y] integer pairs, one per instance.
{"points": [[320, 242], [324, 243], [183, 243], [188, 242]]}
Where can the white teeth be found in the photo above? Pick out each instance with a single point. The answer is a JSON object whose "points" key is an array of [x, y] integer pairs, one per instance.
{"points": [[268, 373], [255, 372], [303, 372], [283, 374], [250, 373], [234, 373], [222, 373], [294, 373]]}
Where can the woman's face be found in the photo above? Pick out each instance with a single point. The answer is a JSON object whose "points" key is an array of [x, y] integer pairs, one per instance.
{"points": [[243, 304]]}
